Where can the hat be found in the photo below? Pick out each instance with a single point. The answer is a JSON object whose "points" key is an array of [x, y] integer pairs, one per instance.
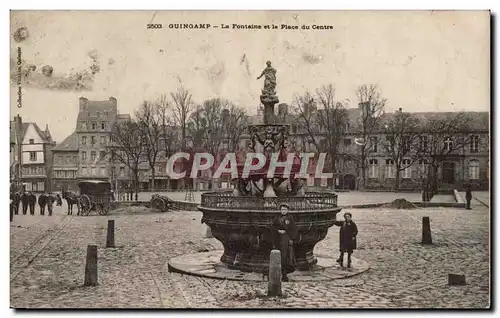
{"points": [[348, 213]]}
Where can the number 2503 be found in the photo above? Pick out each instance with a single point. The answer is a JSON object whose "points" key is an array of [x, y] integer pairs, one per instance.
{"points": [[154, 26]]}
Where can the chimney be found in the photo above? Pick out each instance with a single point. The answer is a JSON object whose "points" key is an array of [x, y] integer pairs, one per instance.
{"points": [[400, 109], [83, 104], [282, 109], [114, 102]]}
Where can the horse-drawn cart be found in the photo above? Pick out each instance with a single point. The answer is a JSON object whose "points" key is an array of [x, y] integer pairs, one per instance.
{"points": [[95, 195]]}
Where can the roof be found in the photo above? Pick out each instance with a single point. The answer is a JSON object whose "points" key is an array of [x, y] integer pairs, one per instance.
{"points": [[44, 135], [68, 144], [476, 121], [92, 107]]}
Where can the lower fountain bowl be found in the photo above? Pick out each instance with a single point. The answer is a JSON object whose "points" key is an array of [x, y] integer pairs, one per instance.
{"points": [[244, 226]]}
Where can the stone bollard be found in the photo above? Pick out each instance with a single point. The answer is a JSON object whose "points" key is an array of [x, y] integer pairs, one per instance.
{"points": [[426, 231], [110, 237], [208, 234], [454, 280], [91, 266], [274, 284]]}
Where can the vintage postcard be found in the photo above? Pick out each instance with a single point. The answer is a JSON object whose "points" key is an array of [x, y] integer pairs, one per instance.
{"points": [[250, 159]]}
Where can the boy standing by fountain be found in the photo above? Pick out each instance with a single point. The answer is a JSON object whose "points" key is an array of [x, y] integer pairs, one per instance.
{"points": [[348, 232]]}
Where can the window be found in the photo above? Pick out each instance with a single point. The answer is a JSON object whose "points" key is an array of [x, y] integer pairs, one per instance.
{"points": [[424, 142], [347, 126], [74, 160], [32, 156], [84, 171], [160, 168], [102, 155], [33, 170], [347, 142], [93, 140], [373, 169], [474, 169], [103, 140], [103, 126], [93, 126], [92, 156], [406, 142], [407, 170], [84, 140], [423, 167], [66, 174], [84, 155], [389, 166], [390, 142], [94, 171], [84, 126], [122, 171], [32, 141], [474, 143], [373, 143], [448, 144]]}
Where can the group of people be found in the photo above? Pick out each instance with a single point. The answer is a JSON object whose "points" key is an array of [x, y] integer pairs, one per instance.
{"points": [[29, 200], [287, 234]]}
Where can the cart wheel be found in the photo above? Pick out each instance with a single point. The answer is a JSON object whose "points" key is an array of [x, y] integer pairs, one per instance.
{"points": [[158, 204], [85, 204], [102, 209]]}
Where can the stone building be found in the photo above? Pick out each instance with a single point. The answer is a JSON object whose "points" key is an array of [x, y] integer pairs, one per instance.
{"points": [[31, 150], [84, 154]]}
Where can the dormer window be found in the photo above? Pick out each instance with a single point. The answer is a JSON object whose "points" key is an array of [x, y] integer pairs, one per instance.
{"points": [[93, 126], [103, 126], [32, 141]]}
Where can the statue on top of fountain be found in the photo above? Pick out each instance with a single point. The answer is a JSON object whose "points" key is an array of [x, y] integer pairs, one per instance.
{"points": [[268, 97]]}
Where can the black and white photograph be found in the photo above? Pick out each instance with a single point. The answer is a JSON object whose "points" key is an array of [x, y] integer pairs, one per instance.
{"points": [[250, 159]]}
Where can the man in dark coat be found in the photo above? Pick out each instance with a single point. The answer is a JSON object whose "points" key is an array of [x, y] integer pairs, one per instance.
{"points": [[24, 201], [11, 206], [348, 232], [42, 201], [32, 202], [50, 201], [17, 201], [58, 200], [285, 233], [468, 196]]}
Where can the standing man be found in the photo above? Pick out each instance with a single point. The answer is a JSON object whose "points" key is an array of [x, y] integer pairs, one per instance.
{"points": [[285, 233], [24, 201], [42, 201], [468, 196], [17, 201], [50, 201], [32, 202]]}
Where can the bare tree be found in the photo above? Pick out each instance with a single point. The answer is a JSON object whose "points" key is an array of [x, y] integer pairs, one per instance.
{"points": [[217, 125], [182, 108], [325, 126], [442, 138], [169, 140], [372, 107], [149, 123], [126, 148], [402, 133]]}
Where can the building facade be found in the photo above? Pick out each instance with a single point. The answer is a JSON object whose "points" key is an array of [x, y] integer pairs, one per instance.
{"points": [[31, 155]]}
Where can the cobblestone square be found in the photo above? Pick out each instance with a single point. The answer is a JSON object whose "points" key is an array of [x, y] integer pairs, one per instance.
{"points": [[48, 261]]}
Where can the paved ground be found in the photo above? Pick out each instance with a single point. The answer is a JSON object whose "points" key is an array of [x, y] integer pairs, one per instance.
{"points": [[344, 199], [402, 274], [479, 198]]}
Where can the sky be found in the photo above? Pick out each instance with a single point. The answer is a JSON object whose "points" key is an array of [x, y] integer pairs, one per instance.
{"points": [[420, 60]]}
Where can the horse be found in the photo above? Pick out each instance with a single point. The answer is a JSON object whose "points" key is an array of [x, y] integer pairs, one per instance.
{"points": [[72, 199]]}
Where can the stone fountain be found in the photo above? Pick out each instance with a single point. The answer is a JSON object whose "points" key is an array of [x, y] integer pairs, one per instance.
{"points": [[241, 218]]}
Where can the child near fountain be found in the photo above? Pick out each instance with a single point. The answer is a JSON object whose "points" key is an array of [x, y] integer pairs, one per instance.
{"points": [[348, 232]]}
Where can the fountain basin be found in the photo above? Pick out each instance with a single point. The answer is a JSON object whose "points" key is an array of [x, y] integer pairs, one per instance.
{"points": [[243, 224]]}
